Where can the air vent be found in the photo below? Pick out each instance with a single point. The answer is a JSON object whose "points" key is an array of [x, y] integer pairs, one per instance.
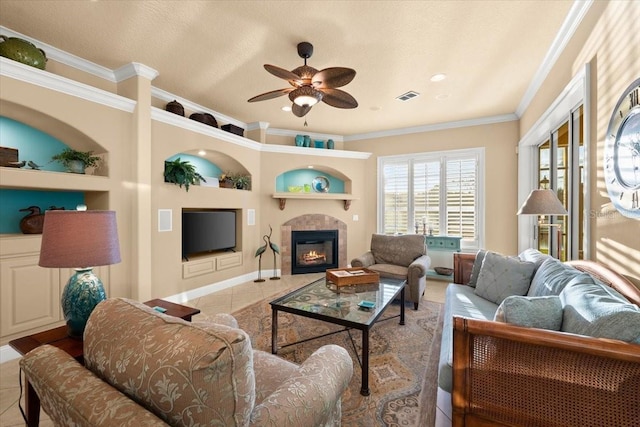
{"points": [[407, 96]]}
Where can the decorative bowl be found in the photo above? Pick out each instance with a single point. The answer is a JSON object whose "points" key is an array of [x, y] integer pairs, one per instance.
{"points": [[444, 271], [294, 188]]}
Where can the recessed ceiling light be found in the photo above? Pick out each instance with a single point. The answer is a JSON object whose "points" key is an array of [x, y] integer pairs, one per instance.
{"points": [[286, 108], [202, 153], [442, 96], [438, 77], [310, 167]]}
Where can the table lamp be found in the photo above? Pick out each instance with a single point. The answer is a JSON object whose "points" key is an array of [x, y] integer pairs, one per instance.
{"points": [[543, 202], [80, 240]]}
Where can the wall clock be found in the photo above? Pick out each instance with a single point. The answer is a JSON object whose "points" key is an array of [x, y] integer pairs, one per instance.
{"points": [[622, 153]]}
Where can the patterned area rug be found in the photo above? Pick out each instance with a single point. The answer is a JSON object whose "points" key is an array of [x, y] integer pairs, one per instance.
{"points": [[403, 363]]}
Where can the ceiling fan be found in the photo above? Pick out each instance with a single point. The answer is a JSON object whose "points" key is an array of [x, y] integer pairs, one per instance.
{"points": [[310, 86]]}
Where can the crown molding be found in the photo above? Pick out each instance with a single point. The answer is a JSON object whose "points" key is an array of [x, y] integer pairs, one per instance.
{"points": [[192, 106], [572, 21], [35, 76], [433, 127], [133, 69], [195, 126], [257, 125], [313, 135], [65, 57], [308, 151]]}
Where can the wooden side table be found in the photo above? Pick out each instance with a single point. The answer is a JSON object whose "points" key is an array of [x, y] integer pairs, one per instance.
{"points": [[74, 347]]}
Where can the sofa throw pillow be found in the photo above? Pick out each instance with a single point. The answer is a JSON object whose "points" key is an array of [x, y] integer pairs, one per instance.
{"points": [[501, 276], [477, 263], [551, 278], [599, 311], [533, 255], [531, 312]]}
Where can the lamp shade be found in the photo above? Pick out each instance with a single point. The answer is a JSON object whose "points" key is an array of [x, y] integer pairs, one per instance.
{"points": [[74, 239], [542, 202]]}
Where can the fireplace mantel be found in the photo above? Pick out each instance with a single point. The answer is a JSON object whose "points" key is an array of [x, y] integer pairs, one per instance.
{"points": [[346, 198]]}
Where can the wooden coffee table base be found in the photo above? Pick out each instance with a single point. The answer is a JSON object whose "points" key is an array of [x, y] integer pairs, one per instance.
{"points": [[58, 337]]}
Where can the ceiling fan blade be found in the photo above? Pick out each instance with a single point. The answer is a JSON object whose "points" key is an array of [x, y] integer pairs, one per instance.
{"points": [[333, 77], [300, 111], [271, 95], [338, 98], [282, 73]]}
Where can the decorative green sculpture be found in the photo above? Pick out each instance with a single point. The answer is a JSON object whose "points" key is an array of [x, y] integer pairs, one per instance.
{"points": [[22, 51]]}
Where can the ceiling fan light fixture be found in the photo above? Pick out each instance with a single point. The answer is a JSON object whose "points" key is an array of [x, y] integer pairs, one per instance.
{"points": [[305, 96]]}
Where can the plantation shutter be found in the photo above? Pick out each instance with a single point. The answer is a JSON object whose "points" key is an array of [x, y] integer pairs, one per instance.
{"points": [[461, 185], [436, 192], [396, 197], [426, 194]]}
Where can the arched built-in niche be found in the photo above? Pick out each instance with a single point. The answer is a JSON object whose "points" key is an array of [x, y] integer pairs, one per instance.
{"points": [[49, 125], [42, 182], [211, 164], [290, 184]]}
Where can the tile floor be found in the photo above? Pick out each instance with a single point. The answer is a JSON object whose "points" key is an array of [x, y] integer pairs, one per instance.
{"points": [[224, 301]]}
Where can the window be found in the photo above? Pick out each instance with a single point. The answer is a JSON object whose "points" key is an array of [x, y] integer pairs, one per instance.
{"points": [[553, 155], [437, 192]]}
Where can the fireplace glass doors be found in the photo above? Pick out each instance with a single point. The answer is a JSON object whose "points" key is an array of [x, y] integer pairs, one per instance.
{"points": [[313, 251]]}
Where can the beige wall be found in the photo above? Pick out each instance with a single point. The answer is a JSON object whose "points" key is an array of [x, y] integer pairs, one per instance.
{"points": [[499, 140], [608, 41]]}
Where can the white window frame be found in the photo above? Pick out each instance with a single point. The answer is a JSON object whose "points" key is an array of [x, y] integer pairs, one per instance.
{"points": [[575, 93], [479, 153]]}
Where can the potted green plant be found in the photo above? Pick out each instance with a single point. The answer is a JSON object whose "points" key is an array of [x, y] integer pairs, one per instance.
{"points": [[241, 181], [235, 180], [76, 161], [181, 173]]}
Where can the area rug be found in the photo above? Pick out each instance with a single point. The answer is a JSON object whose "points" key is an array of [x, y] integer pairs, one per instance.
{"points": [[403, 363]]}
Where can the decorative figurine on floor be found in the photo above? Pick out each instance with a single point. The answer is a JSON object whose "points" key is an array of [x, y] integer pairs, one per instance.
{"points": [[276, 250], [259, 253]]}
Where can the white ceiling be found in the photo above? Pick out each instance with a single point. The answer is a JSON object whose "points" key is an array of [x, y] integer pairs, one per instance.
{"points": [[213, 52]]}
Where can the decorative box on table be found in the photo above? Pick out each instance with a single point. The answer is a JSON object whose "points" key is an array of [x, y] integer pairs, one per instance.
{"points": [[8, 156], [233, 129], [352, 276]]}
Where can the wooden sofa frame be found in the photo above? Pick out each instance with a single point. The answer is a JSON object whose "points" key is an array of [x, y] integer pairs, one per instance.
{"points": [[505, 375]]}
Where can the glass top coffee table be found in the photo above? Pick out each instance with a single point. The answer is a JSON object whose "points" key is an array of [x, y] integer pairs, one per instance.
{"points": [[319, 301]]}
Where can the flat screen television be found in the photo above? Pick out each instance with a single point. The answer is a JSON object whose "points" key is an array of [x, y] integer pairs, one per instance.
{"points": [[207, 231]]}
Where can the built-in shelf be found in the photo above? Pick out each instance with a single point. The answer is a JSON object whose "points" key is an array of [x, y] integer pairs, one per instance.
{"points": [[346, 198], [30, 179]]}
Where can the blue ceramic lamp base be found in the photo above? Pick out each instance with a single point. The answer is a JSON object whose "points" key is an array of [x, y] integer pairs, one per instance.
{"points": [[80, 296]]}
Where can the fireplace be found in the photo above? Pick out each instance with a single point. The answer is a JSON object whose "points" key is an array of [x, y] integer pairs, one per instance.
{"points": [[313, 251]]}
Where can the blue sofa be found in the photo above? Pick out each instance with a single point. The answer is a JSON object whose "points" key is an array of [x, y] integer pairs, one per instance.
{"points": [[530, 340]]}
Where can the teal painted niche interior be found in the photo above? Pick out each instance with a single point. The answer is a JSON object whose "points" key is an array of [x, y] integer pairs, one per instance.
{"points": [[203, 166], [299, 177], [31, 143], [11, 201]]}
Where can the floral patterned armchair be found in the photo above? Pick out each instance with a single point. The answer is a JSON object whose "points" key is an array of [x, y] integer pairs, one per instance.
{"points": [[144, 368]]}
